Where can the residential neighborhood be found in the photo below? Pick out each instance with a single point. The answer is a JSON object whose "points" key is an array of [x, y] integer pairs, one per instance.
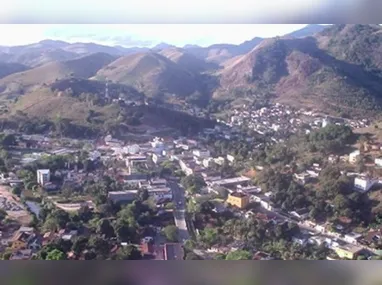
{"points": [[224, 193]]}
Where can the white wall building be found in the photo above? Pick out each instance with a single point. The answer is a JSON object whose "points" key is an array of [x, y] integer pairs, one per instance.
{"points": [[201, 153], [363, 184], [230, 158], [43, 176], [352, 238], [378, 161]]}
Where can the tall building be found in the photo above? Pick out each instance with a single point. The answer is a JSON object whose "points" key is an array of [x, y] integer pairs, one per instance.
{"points": [[43, 176]]}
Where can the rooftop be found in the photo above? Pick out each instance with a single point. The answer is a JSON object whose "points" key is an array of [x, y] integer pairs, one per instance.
{"points": [[232, 180], [238, 194], [350, 248], [173, 251]]}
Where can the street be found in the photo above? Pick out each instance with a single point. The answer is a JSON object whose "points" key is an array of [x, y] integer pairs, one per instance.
{"points": [[304, 226], [179, 212]]}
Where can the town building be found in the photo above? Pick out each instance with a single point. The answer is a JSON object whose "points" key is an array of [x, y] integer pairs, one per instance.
{"points": [[238, 199], [160, 194], [43, 176], [173, 251], [352, 238], [348, 251], [301, 213], [231, 181], [364, 184], [230, 158], [378, 161], [201, 153], [353, 156], [122, 196], [264, 200], [130, 160]]}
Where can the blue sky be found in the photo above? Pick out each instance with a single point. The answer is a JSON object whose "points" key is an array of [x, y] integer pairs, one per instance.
{"points": [[141, 34]]}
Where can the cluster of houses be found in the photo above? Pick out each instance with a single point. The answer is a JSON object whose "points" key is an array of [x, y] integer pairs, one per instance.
{"points": [[279, 120]]}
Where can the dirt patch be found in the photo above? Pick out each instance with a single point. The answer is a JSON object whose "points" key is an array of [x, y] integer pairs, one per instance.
{"points": [[14, 208]]}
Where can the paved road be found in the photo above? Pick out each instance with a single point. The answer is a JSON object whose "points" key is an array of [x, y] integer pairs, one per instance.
{"points": [[179, 212], [304, 226]]}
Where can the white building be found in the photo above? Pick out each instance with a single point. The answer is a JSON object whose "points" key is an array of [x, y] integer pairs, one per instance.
{"points": [[207, 161], [353, 156], [201, 153], [364, 184], [378, 161], [43, 176], [230, 158], [352, 238]]}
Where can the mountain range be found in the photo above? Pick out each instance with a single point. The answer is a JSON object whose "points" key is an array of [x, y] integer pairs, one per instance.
{"points": [[336, 69]]}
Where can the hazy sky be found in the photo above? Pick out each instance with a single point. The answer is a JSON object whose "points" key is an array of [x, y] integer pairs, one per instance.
{"points": [[141, 35]]}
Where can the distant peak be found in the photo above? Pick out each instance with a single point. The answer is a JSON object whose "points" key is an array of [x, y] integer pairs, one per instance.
{"points": [[162, 45]]}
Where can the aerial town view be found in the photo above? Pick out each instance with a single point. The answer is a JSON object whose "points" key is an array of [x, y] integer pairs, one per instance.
{"points": [[269, 149]]}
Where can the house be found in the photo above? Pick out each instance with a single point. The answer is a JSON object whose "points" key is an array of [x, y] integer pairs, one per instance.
{"points": [[333, 158], [173, 251], [348, 251], [133, 180], [353, 156], [147, 246], [264, 201], [158, 182], [201, 153], [230, 158], [21, 254], [26, 238], [313, 173], [238, 199], [122, 196], [378, 161], [20, 240], [162, 194], [131, 160], [301, 214], [301, 239], [303, 177], [219, 160], [210, 176], [260, 255], [231, 181], [352, 238], [318, 240], [43, 176], [69, 235], [374, 236], [364, 184]]}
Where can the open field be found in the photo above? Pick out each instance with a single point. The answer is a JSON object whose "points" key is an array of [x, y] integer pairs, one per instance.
{"points": [[11, 204]]}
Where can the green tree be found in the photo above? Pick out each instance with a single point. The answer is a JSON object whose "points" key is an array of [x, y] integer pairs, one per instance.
{"points": [[239, 255], [192, 256], [80, 244], [105, 228], [17, 190], [55, 254], [130, 252], [3, 215], [171, 233]]}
